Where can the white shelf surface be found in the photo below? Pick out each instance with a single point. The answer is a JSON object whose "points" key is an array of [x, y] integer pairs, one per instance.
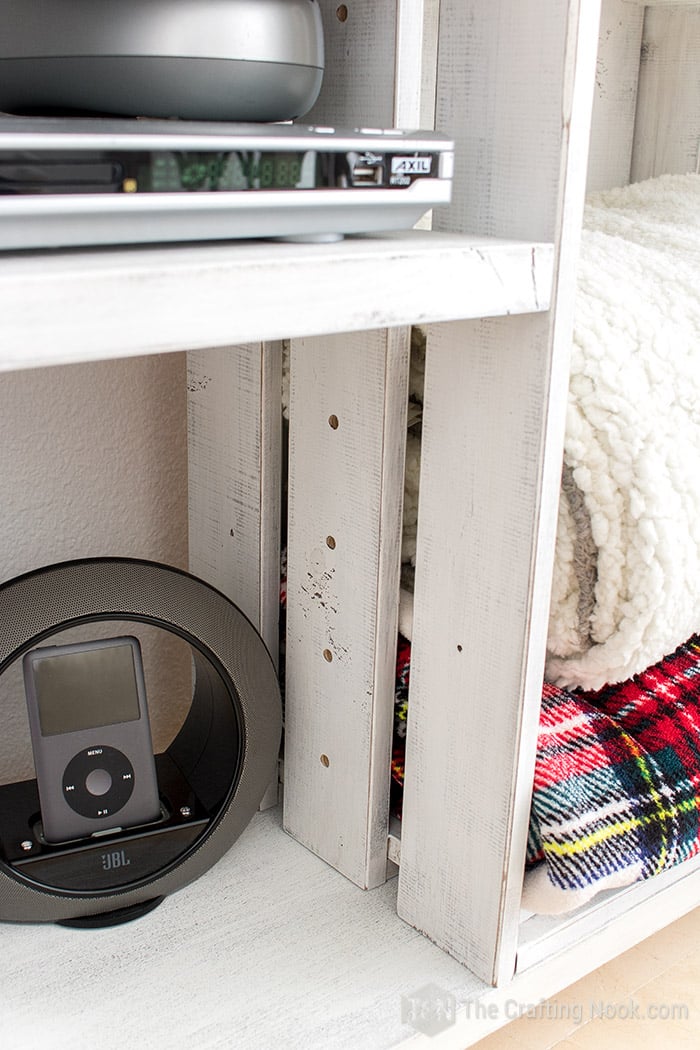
{"points": [[65, 306], [273, 948], [270, 948]]}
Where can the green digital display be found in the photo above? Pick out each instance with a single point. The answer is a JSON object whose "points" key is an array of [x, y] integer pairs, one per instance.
{"points": [[235, 170]]}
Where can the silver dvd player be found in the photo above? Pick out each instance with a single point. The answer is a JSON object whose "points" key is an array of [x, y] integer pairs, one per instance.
{"points": [[88, 181]]}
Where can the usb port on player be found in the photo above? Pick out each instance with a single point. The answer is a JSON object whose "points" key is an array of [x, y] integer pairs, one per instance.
{"points": [[364, 175]]}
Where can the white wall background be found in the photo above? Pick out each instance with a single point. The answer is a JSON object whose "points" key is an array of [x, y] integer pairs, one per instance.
{"points": [[93, 462]]}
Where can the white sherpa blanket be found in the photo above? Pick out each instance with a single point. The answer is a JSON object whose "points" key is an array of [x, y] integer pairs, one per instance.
{"points": [[626, 585]]}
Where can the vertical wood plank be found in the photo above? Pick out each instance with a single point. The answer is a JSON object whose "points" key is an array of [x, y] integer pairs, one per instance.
{"points": [[499, 76], [412, 82], [234, 459], [374, 64], [431, 21], [358, 82], [348, 484], [492, 443], [347, 425], [615, 98], [234, 467], [270, 410], [667, 130]]}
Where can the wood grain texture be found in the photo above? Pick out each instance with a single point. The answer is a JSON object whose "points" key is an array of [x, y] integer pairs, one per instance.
{"points": [[667, 130], [234, 398], [486, 383], [338, 681], [492, 439], [346, 450], [615, 98], [499, 95], [78, 306], [234, 469], [269, 948], [270, 408], [412, 81], [358, 83]]}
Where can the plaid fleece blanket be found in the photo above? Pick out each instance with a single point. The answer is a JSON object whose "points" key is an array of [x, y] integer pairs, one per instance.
{"points": [[617, 780]]}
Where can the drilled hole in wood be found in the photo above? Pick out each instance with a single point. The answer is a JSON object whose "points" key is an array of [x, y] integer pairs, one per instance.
{"points": [[341, 13], [330, 542], [325, 761], [333, 422], [327, 655]]}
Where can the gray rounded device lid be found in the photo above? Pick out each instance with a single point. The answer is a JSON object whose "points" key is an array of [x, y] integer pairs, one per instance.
{"points": [[232, 60]]}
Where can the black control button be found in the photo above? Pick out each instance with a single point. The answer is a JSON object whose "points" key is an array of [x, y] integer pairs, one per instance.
{"points": [[98, 781]]}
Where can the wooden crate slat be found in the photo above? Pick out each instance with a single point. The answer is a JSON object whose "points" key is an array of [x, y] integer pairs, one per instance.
{"points": [[358, 82], [499, 72], [615, 99], [234, 396], [347, 438], [234, 469], [492, 439], [667, 133], [344, 602]]}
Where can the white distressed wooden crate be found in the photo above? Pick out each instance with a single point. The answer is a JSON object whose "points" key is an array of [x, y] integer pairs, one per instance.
{"points": [[494, 280], [492, 438]]}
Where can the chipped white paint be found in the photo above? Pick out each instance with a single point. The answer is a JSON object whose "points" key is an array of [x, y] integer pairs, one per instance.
{"points": [[342, 602], [615, 98], [346, 451]]}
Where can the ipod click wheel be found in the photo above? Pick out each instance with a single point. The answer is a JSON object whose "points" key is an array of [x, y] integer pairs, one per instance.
{"points": [[91, 738], [90, 181]]}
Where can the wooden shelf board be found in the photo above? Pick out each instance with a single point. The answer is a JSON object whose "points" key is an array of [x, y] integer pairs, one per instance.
{"points": [[66, 306], [272, 947]]}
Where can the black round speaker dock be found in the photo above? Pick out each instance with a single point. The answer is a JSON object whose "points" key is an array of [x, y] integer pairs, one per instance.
{"points": [[211, 778]]}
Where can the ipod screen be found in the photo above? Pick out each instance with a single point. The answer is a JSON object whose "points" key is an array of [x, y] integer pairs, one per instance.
{"points": [[85, 690]]}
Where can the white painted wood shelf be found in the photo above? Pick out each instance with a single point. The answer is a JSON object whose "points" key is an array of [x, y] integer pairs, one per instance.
{"points": [[61, 307], [270, 948]]}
